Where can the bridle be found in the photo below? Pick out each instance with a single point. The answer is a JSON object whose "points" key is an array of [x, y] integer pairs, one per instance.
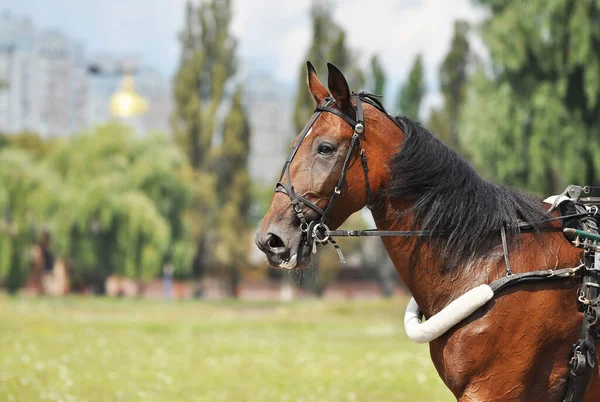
{"points": [[317, 230]]}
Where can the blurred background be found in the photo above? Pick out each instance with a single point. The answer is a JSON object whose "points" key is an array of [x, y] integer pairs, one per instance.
{"points": [[139, 147]]}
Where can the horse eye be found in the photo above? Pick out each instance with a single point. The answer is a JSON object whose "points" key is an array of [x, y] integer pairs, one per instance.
{"points": [[325, 149]]}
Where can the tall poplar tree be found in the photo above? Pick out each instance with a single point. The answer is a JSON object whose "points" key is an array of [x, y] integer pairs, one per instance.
{"points": [[412, 91], [378, 77], [444, 121], [207, 63], [233, 192]]}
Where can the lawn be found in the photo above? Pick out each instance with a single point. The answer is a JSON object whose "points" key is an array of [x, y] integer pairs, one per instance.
{"points": [[93, 349]]}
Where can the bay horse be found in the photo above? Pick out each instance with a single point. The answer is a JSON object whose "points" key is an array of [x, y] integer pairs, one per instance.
{"points": [[516, 346]]}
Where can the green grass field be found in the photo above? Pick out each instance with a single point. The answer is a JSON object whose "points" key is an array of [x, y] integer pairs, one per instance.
{"points": [[92, 349]]}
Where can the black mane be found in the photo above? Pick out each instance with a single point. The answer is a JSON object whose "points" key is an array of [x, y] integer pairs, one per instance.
{"points": [[449, 196]]}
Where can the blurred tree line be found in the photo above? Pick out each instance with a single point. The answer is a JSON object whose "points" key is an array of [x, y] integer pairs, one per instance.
{"points": [[114, 204]]}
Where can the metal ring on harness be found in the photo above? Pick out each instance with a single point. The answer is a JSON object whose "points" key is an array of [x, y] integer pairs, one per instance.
{"points": [[320, 229]]}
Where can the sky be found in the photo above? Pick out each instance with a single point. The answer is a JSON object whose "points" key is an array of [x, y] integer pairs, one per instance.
{"points": [[274, 35]]}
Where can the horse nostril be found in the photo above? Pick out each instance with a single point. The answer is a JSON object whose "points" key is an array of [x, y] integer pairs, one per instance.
{"points": [[275, 243]]}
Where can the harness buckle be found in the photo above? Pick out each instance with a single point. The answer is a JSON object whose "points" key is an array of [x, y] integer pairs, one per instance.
{"points": [[578, 362]]}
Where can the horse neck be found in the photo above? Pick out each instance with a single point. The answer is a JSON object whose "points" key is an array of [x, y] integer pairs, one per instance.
{"points": [[421, 269]]}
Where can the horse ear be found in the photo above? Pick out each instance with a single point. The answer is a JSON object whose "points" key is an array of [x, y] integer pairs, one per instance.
{"points": [[317, 89], [338, 86]]}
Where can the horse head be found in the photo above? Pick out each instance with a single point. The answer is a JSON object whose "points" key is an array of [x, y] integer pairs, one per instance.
{"points": [[338, 159]]}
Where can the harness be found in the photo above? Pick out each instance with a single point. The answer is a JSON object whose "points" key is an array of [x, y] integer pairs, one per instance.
{"points": [[582, 204], [585, 235]]}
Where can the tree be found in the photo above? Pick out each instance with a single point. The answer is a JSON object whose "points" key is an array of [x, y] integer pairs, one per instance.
{"points": [[113, 203], [3, 140], [121, 203], [377, 76], [186, 120], [411, 92], [233, 192], [328, 45], [27, 197], [207, 64], [444, 121], [533, 121]]}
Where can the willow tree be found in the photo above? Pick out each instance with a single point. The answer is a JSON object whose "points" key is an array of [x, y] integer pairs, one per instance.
{"points": [[122, 204], [113, 204], [533, 122], [28, 195], [328, 44]]}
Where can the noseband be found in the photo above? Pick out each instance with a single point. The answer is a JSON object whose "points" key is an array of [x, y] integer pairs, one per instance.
{"points": [[317, 231]]}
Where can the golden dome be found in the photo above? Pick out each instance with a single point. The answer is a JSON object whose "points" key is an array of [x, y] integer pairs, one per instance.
{"points": [[126, 102]]}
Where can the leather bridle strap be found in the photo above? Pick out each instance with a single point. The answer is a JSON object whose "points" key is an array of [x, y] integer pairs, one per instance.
{"points": [[287, 187], [296, 199]]}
